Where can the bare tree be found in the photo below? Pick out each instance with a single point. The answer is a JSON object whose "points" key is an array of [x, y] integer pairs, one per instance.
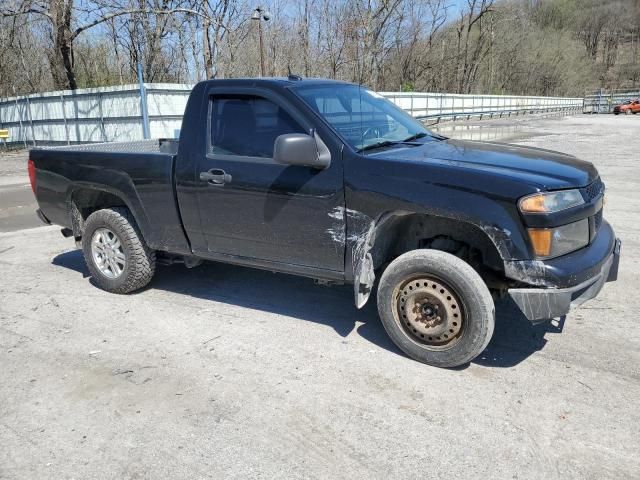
{"points": [[471, 41], [512, 46]]}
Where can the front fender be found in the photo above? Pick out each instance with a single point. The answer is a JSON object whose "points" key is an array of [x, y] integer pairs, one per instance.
{"points": [[369, 242]]}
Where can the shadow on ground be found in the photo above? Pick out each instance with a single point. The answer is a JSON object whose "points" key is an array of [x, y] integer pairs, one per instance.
{"points": [[514, 339]]}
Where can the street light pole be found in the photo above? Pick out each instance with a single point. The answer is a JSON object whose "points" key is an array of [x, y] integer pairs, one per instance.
{"points": [[259, 14]]}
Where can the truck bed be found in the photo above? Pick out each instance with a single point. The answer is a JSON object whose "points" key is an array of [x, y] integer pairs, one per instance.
{"points": [[140, 173], [161, 145]]}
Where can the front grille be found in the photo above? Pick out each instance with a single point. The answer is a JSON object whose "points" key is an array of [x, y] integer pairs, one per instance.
{"points": [[593, 190], [597, 220], [591, 193]]}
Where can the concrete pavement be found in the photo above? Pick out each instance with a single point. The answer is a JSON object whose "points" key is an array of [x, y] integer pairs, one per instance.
{"points": [[228, 372]]}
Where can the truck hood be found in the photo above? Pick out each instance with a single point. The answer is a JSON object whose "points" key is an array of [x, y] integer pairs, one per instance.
{"points": [[544, 169]]}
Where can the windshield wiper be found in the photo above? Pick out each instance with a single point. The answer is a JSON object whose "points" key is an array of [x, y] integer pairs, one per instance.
{"points": [[373, 146], [389, 143], [414, 137]]}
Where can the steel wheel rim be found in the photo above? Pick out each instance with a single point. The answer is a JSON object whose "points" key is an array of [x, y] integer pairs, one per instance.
{"points": [[429, 312], [108, 253]]}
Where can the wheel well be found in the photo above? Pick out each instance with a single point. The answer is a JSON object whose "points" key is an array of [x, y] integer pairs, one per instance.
{"points": [[85, 201], [404, 233]]}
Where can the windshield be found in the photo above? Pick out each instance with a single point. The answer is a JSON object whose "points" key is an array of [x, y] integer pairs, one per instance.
{"points": [[365, 119]]}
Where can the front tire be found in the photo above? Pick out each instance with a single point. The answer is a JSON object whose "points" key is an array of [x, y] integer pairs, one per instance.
{"points": [[436, 308], [115, 251]]}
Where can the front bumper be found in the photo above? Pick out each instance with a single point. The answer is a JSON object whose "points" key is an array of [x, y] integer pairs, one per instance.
{"points": [[539, 304]]}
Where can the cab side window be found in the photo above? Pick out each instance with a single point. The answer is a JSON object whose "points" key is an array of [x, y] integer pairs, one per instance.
{"points": [[247, 126]]}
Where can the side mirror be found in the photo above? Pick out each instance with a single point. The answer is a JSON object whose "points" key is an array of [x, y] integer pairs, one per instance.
{"points": [[299, 149]]}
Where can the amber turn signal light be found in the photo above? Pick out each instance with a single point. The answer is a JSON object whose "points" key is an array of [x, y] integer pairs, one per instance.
{"points": [[533, 204], [541, 241]]}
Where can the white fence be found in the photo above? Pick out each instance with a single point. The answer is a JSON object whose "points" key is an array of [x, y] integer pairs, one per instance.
{"points": [[107, 114], [110, 114]]}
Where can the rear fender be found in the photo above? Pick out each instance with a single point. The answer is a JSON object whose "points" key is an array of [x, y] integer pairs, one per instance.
{"points": [[80, 197]]}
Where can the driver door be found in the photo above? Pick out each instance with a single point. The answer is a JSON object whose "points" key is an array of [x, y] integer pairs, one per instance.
{"points": [[257, 208]]}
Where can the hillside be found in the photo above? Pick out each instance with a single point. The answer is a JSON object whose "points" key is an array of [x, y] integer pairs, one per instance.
{"points": [[542, 47]]}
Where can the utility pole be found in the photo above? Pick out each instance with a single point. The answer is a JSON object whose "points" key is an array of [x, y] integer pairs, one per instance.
{"points": [[262, 73], [259, 14], [491, 66]]}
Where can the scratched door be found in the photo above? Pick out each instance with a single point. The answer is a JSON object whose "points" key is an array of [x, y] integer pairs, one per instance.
{"points": [[288, 214]]}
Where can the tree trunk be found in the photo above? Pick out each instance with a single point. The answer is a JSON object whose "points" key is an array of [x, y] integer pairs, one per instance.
{"points": [[62, 65], [206, 46]]}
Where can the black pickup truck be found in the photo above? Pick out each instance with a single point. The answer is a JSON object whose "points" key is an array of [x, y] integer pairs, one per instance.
{"points": [[331, 181]]}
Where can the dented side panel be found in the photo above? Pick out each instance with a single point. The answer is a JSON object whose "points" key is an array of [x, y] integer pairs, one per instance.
{"points": [[421, 190], [289, 216]]}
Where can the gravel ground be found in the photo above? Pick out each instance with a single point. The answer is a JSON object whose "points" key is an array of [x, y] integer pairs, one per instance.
{"points": [[227, 372], [17, 203], [13, 165]]}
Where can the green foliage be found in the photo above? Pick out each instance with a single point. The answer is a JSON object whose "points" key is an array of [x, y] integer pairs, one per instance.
{"points": [[556, 47]]}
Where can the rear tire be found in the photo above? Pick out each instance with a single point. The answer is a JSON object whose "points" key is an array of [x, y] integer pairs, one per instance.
{"points": [[436, 308], [115, 251]]}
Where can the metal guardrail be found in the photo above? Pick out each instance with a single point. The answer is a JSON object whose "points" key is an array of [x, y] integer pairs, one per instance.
{"points": [[498, 113], [453, 106], [116, 113], [603, 101]]}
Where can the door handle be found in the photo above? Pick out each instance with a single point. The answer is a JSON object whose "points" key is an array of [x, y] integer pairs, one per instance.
{"points": [[215, 176]]}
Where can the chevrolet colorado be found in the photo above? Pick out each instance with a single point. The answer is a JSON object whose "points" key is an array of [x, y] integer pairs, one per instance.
{"points": [[331, 181]]}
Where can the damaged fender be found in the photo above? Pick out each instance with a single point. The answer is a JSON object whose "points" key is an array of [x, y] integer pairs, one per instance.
{"points": [[363, 242], [367, 231]]}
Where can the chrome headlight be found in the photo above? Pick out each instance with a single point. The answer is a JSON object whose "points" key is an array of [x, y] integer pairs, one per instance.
{"points": [[550, 202], [553, 242]]}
